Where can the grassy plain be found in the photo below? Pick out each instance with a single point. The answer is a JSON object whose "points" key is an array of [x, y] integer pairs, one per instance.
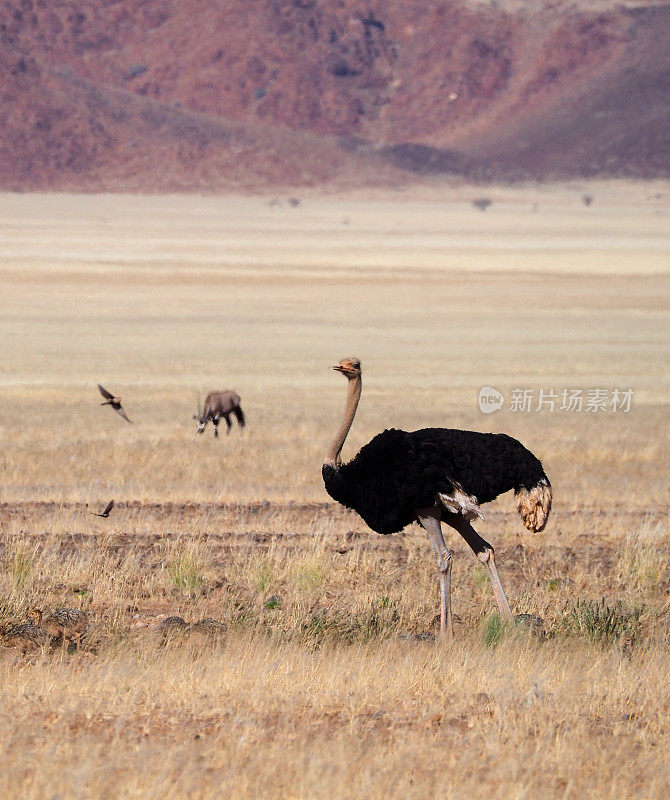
{"points": [[321, 687]]}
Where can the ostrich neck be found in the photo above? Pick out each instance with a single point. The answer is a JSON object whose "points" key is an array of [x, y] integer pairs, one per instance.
{"points": [[353, 396]]}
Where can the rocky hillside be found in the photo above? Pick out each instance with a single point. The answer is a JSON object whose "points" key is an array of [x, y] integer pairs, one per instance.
{"points": [[167, 95]]}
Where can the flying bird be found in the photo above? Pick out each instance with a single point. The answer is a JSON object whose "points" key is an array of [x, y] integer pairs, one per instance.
{"points": [[114, 402], [105, 513], [431, 476]]}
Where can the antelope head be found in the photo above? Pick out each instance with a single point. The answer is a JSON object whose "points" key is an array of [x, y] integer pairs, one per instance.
{"points": [[200, 417]]}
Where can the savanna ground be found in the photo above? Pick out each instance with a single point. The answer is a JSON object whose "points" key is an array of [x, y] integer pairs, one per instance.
{"points": [[330, 681]]}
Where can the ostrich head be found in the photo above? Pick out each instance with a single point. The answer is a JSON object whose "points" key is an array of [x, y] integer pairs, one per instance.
{"points": [[35, 616], [350, 367]]}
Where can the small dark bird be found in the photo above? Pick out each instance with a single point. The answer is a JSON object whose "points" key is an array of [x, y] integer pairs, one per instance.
{"points": [[105, 513], [114, 402], [431, 476]]}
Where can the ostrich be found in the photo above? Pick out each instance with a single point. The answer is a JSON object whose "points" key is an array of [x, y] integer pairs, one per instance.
{"points": [[26, 636], [172, 628], [206, 629], [431, 476], [64, 624]]}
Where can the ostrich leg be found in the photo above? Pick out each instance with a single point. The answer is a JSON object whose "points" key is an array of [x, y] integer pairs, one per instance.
{"points": [[484, 552], [430, 520]]}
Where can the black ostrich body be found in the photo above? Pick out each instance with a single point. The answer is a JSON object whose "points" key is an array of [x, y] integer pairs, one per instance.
{"points": [[399, 472], [431, 476]]}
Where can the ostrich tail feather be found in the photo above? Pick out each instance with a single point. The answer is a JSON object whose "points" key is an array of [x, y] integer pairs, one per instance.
{"points": [[534, 505]]}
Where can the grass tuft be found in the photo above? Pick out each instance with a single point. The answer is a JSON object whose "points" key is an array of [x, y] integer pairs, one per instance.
{"points": [[261, 577], [481, 578], [20, 567], [310, 575], [184, 572], [600, 622], [643, 565], [374, 622], [493, 630]]}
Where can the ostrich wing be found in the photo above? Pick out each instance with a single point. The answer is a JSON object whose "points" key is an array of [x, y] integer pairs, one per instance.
{"points": [[398, 473], [479, 465], [458, 502], [105, 393]]}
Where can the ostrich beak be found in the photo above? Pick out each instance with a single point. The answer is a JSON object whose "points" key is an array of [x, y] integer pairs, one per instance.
{"points": [[339, 368]]}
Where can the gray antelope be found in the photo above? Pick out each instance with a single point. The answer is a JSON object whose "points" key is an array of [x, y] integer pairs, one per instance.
{"points": [[217, 405]]}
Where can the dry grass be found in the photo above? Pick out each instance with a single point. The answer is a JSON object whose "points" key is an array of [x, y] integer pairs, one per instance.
{"points": [[394, 719], [327, 685], [321, 687]]}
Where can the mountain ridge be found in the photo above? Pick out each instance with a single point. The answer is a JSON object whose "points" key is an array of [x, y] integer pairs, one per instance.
{"points": [[202, 96]]}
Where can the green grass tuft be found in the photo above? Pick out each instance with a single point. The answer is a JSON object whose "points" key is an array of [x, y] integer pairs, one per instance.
{"points": [[493, 630], [262, 577], [184, 574], [600, 622]]}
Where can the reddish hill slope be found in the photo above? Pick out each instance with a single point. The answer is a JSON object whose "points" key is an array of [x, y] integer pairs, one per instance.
{"points": [[196, 94]]}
